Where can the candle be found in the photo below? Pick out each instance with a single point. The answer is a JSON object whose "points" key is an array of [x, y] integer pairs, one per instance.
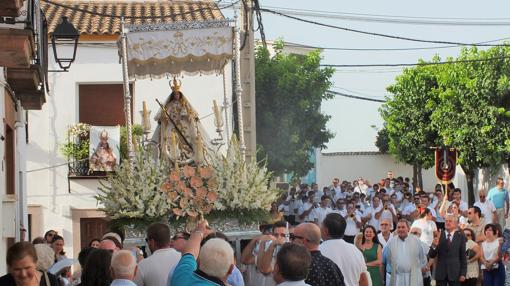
{"points": [[174, 149], [218, 122], [146, 123]]}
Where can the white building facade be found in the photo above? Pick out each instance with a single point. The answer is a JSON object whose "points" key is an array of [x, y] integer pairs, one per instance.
{"points": [[67, 204]]}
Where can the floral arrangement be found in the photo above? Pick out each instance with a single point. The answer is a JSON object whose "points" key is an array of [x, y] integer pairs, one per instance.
{"points": [[243, 187], [76, 146], [133, 190], [79, 130], [191, 190]]}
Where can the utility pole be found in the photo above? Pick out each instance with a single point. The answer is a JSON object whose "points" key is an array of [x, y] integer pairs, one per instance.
{"points": [[248, 80]]}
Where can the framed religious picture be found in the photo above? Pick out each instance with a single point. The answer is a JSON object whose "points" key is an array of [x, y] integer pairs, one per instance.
{"points": [[104, 148]]}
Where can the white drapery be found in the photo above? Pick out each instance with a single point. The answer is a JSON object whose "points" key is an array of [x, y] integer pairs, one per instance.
{"points": [[157, 51]]}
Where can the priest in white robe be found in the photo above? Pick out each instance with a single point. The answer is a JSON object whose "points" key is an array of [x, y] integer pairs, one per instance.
{"points": [[406, 257]]}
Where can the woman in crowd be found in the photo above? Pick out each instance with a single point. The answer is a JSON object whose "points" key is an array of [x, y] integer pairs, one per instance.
{"points": [[58, 246], [372, 251], [94, 243], [22, 267], [427, 225], [473, 253], [48, 236], [96, 271], [493, 269]]}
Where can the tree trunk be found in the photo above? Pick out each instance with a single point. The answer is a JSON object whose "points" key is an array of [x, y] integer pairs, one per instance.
{"points": [[415, 177], [470, 177], [420, 177]]}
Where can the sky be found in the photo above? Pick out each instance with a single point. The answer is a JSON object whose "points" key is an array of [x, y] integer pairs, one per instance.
{"points": [[355, 122]]}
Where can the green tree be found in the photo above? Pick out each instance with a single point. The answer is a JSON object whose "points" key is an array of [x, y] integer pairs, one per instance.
{"points": [[382, 140], [467, 116], [407, 115], [290, 89]]}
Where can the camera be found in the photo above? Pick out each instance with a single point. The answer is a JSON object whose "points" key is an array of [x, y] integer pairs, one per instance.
{"points": [[352, 215]]}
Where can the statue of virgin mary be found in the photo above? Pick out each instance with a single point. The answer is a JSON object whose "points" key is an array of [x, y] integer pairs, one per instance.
{"points": [[179, 132]]}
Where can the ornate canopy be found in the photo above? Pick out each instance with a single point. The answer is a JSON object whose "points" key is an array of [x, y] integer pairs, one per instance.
{"points": [[161, 50]]}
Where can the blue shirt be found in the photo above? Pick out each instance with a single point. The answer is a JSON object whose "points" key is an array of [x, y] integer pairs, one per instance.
{"points": [[122, 282], [184, 273], [235, 278], [498, 197]]}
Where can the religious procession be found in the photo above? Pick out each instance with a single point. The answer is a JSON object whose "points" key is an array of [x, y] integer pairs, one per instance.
{"points": [[253, 142]]}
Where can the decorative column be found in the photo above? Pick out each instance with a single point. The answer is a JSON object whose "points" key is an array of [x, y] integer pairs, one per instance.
{"points": [[127, 94], [238, 88]]}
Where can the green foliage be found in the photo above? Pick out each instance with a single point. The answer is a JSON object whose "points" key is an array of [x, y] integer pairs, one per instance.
{"points": [[407, 116], [382, 141], [76, 146], [290, 89], [133, 191], [462, 105], [137, 132]]}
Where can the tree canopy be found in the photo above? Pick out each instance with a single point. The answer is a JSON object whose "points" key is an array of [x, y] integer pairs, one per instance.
{"points": [[290, 89], [461, 104]]}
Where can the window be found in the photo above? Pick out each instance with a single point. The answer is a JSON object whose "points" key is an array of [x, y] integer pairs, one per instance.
{"points": [[102, 104]]}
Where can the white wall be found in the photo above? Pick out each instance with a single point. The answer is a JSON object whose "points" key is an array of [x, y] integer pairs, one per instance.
{"points": [[47, 128], [369, 165]]}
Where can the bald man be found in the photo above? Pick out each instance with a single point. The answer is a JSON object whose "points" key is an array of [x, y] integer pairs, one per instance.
{"points": [[123, 268], [108, 245], [323, 271]]}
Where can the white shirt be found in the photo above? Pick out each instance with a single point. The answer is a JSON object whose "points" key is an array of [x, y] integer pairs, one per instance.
{"points": [[342, 212], [370, 212], [383, 241], [153, 271], [407, 208], [348, 258], [304, 207], [427, 230], [293, 283], [487, 209], [320, 213], [388, 214], [351, 228], [490, 250]]}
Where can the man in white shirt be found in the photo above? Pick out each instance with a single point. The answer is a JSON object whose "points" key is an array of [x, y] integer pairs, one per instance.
{"points": [[336, 186], [487, 207], [340, 208], [353, 223], [463, 206], [305, 210], [153, 271], [348, 258], [385, 235], [373, 213], [318, 214]]}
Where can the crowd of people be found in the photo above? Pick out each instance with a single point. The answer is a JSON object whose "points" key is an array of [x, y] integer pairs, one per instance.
{"points": [[349, 233]]}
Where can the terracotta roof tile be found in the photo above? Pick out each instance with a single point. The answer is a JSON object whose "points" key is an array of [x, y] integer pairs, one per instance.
{"points": [[156, 11]]}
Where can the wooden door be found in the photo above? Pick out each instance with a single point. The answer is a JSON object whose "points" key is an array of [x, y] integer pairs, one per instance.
{"points": [[91, 228]]}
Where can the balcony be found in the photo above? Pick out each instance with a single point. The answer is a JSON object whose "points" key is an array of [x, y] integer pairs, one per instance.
{"points": [[10, 8], [27, 84], [80, 170], [16, 48]]}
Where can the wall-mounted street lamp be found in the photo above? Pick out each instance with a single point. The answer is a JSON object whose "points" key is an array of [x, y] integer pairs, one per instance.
{"points": [[65, 33]]}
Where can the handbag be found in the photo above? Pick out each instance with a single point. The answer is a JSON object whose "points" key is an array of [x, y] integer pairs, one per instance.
{"points": [[470, 253]]}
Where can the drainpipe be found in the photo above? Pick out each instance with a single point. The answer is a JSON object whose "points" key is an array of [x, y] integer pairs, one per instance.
{"points": [[20, 180]]}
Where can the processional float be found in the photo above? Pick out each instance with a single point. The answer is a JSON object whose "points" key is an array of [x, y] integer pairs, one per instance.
{"points": [[166, 50]]}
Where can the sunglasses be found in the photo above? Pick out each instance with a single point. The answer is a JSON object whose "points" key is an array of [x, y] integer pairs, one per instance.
{"points": [[177, 237], [293, 237], [416, 233], [279, 234]]}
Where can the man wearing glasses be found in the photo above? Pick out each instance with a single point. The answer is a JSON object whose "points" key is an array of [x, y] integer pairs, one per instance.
{"points": [[323, 271], [154, 270], [487, 207], [178, 241]]}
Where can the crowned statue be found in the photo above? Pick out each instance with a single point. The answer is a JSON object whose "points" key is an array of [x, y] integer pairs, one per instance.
{"points": [[180, 134]]}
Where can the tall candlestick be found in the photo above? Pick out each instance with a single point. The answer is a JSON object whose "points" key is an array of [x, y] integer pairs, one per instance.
{"points": [[174, 149], [146, 123], [199, 150], [218, 122]]}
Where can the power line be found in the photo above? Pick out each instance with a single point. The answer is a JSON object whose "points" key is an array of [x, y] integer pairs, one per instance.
{"points": [[415, 64], [110, 15], [355, 97], [391, 16], [373, 33], [297, 45], [390, 19]]}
